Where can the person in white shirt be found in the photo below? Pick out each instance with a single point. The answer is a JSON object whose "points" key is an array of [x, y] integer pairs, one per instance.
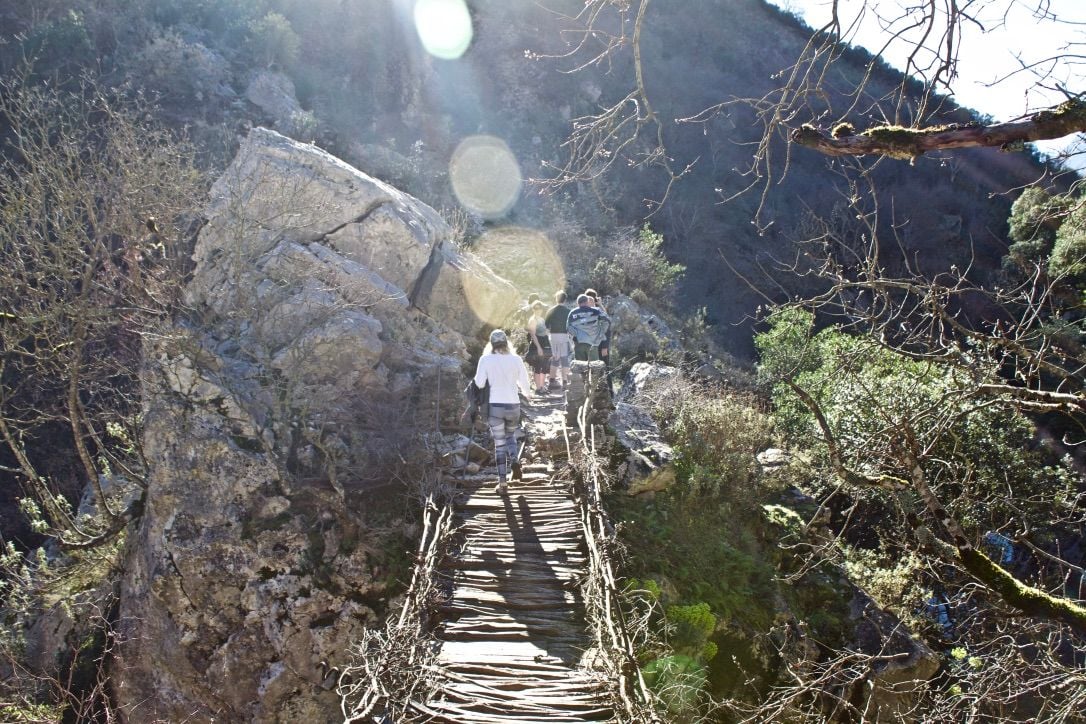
{"points": [[504, 371]]}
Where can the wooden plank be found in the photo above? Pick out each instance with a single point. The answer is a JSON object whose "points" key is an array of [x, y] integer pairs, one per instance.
{"points": [[512, 627]]}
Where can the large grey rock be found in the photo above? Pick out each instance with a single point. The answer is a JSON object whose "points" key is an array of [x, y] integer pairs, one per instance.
{"points": [[328, 324], [281, 201], [274, 94], [638, 331], [239, 582], [648, 467], [904, 664], [642, 376]]}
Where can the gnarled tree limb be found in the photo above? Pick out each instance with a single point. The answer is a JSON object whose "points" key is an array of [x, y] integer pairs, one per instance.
{"points": [[905, 143]]}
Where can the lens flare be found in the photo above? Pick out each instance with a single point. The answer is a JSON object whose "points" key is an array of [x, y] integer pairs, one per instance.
{"points": [[485, 176], [525, 257], [444, 27]]}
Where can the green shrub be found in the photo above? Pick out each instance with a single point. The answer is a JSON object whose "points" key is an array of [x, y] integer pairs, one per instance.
{"points": [[892, 579], [679, 682], [632, 262], [1068, 257], [61, 47], [691, 628], [273, 42], [717, 440]]}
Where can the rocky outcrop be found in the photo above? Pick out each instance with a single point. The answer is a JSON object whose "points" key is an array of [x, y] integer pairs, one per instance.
{"points": [[274, 94], [901, 660], [639, 331], [648, 465], [328, 322]]}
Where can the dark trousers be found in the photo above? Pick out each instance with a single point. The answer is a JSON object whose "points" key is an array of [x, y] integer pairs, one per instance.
{"points": [[585, 352]]}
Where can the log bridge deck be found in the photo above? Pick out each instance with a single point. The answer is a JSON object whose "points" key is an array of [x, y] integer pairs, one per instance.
{"points": [[513, 611], [513, 640]]}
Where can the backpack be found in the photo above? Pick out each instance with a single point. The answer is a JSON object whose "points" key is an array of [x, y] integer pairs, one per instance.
{"points": [[477, 401]]}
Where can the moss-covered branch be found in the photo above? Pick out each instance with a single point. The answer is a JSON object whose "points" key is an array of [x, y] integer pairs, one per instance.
{"points": [[1027, 599], [906, 143]]}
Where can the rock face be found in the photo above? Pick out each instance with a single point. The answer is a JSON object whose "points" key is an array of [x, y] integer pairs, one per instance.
{"points": [[274, 94], [648, 466], [329, 315], [637, 331]]}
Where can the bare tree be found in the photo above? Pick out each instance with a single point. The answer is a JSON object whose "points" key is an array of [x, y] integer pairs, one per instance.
{"points": [[94, 222], [811, 107]]}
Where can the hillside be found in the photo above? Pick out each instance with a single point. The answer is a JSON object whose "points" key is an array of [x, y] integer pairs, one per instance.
{"points": [[369, 94], [252, 248]]}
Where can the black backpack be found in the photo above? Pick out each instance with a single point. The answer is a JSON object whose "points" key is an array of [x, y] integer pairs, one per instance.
{"points": [[478, 402]]}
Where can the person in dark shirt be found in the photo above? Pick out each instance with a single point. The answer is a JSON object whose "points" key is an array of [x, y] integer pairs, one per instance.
{"points": [[556, 319]]}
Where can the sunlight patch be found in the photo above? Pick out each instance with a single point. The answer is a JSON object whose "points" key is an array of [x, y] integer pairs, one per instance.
{"points": [[485, 176], [444, 27], [525, 257]]}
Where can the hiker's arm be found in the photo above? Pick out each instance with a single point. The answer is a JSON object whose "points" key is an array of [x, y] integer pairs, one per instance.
{"points": [[480, 374], [535, 338]]}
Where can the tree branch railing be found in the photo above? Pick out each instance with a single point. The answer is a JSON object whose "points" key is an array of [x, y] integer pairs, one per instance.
{"points": [[393, 668], [607, 620]]}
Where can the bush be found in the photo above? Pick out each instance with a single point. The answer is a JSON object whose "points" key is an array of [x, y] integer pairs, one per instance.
{"points": [[691, 628], [273, 42], [1068, 257], [717, 440], [679, 681], [636, 261], [61, 47]]}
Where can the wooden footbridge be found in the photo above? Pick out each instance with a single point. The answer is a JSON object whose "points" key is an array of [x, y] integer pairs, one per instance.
{"points": [[512, 613]]}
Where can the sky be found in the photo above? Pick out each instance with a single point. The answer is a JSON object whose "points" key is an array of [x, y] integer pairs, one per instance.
{"points": [[1008, 33]]}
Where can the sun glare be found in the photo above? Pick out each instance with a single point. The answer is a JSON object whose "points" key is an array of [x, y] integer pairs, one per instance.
{"points": [[485, 176], [444, 27], [526, 257]]}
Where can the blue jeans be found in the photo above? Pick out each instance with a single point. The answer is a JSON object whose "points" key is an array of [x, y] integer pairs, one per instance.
{"points": [[504, 420]]}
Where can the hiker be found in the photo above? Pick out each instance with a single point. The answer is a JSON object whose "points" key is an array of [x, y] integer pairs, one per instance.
{"points": [[587, 327], [520, 317], [539, 348], [605, 345], [560, 352], [594, 299], [504, 370]]}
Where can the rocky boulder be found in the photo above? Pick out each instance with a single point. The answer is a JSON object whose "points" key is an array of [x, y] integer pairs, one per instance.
{"points": [[274, 94], [648, 466], [643, 376], [327, 329], [637, 331]]}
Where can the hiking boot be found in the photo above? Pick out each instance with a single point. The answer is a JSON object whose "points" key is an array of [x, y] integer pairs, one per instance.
{"points": [[517, 474], [501, 488], [554, 386]]}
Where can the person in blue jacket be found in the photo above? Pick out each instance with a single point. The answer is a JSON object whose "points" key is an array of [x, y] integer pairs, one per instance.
{"points": [[588, 327]]}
